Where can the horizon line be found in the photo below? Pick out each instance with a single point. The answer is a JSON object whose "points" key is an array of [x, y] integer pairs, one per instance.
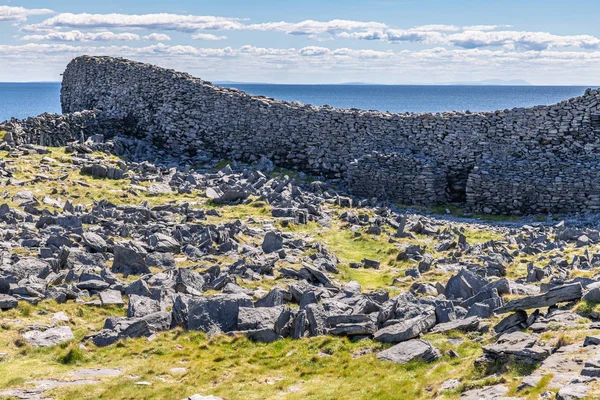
{"points": [[366, 84]]}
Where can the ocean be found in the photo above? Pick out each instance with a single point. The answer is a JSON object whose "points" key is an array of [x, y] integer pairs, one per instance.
{"points": [[21, 100]]}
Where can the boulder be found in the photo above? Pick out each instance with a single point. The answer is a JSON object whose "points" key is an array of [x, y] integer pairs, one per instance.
{"points": [[516, 320], [7, 302], [354, 329], [111, 297], [146, 325], [94, 241], [50, 337], [140, 306], [27, 267], [316, 319], [551, 297], [93, 284], [128, 261], [464, 285], [216, 314], [414, 349], [164, 244], [250, 318], [520, 346], [573, 391], [471, 324], [592, 293], [272, 242], [407, 329], [189, 282]]}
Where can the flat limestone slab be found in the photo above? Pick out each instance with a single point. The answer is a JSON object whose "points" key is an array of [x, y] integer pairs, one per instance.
{"points": [[50, 337], [551, 297], [405, 352]]}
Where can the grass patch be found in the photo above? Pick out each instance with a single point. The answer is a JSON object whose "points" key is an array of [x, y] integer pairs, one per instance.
{"points": [[73, 355]]}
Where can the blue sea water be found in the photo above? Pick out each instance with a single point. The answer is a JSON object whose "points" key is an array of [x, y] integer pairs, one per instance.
{"points": [[29, 99], [417, 98], [22, 100]]}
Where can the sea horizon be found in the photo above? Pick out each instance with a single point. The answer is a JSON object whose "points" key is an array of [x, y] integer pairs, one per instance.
{"points": [[27, 99]]}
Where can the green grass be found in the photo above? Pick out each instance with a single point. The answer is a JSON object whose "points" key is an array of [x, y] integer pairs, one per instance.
{"points": [[235, 368]]}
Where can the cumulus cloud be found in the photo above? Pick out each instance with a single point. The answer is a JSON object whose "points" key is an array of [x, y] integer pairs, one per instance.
{"points": [[266, 51], [78, 36], [208, 36], [525, 40], [193, 23], [328, 64], [157, 37], [311, 51], [20, 14], [362, 54], [310, 27], [477, 36], [174, 22]]}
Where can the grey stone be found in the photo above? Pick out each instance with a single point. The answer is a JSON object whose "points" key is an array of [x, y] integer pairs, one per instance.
{"points": [[111, 297], [272, 242], [216, 314], [50, 337], [464, 285], [94, 241], [550, 298], [164, 244], [140, 306], [368, 263], [414, 349], [93, 284], [7, 302], [408, 329], [250, 318], [471, 324], [128, 261], [516, 320], [573, 391], [522, 347]]}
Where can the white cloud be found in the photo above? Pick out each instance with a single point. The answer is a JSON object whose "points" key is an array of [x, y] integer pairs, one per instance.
{"points": [[484, 27], [78, 36], [438, 28], [311, 51], [364, 54], [175, 22], [20, 14], [310, 27], [525, 40], [477, 36], [266, 51], [157, 37], [317, 64], [194, 23], [208, 36]]}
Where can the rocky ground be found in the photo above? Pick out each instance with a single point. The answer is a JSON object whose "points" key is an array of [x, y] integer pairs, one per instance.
{"points": [[125, 273]]}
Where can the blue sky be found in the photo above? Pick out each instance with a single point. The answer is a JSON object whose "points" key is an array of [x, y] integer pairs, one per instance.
{"points": [[381, 41]]}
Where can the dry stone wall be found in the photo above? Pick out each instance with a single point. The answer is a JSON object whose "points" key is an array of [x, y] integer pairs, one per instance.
{"points": [[57, 130], [487, 160]]}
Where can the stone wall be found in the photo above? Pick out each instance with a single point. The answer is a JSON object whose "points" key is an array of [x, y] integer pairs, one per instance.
{"points": [[58, 130], [408, 158]]}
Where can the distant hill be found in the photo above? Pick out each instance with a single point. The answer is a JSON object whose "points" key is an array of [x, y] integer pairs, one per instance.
{"points": [[491, 82]]}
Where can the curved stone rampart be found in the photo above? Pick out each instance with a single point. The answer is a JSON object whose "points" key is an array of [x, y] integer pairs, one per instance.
{"points": [[408, 158]]}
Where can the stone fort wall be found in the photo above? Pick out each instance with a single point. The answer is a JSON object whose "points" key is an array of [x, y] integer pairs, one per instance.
{"points": [[524, 160]]}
